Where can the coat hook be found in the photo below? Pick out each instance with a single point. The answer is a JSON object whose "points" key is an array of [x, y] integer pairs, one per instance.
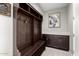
{"points": [[25, 21]]}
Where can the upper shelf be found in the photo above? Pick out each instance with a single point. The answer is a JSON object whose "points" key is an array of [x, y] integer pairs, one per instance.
{"points": [[30, 10]]}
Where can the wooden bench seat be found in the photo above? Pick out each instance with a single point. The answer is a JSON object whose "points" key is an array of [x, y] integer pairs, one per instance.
{"points": [[34, 50]]}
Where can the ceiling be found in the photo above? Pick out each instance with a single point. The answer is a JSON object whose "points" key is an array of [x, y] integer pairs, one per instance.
{"points": [[51, 6]]}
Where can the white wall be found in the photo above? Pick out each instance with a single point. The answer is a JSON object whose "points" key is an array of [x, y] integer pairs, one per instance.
{"points": [[6, 35], [63, 30], [70, 26], [76, 28]]}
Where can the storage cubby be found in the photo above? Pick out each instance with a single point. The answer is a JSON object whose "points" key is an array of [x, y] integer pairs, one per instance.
{"points": [[34, 12], [24, 6], [30, 10]]}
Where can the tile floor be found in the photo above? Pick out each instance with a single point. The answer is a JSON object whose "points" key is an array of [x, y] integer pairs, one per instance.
{"points": [[55, 52]]}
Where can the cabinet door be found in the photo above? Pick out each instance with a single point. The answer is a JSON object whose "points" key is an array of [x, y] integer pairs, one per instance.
{"points": [[24, 30], [58, 41]]}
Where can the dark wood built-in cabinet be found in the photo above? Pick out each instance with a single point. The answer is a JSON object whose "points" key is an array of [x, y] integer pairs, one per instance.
{"points": [[57, 41], [28, 23]]}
